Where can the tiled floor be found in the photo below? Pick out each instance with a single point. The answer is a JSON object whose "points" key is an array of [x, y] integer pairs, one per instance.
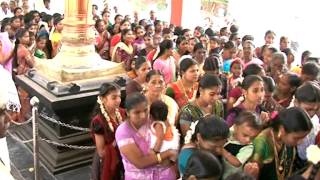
{"points": [[22, 164]]}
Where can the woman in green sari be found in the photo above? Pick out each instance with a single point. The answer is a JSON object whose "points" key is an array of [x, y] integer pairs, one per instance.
{"points": [[274, 147], [207, 102]]}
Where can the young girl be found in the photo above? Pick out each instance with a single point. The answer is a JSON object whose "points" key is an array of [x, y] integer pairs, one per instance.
{"points": [[207, 102], [105, 122], [164, 62], [160, 125], [253, 92], [41, 41], [235, 78], [139, 41], [239, 147]]}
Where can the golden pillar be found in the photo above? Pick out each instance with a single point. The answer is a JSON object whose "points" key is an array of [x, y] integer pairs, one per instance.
{"points": [[77, 59]]}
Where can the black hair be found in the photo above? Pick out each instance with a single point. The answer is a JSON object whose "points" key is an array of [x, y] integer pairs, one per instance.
{"points": [[152, 73], [179, 40], [229, 45], [139, 61], [308, 92], [47, 18], [106, 88], [208, 81], [211, 128], [147, 35], [269, 83], [249, 80], [178, 31], [164, 45], [115, 17], [14, 18], [123, 33], [141, 22], [209, 32], [247, 37], [214, 38], [287, 51], [166, 31], [252, 69], [304, 54], [186, 63], [234, 28], [184, 31], [19, 34], [200, 29], [16, 9], [240, 176], [223, 29], [211, 63], [156, 22], [159, 111], [269, 32], [134, 99], [57, 20], [198, 46], [293, 119], [4, 23], [293, 80], [203, 164], [232, 36], [97, 23], [42, 35], [138, 27], [250, 118], [311, 69]]}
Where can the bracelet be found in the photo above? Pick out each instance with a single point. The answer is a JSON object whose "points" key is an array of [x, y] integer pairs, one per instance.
{"points": [[159, 159]]}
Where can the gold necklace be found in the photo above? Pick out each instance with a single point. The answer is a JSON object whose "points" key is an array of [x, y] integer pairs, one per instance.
{"points": [[185, 92], [279, 163]]}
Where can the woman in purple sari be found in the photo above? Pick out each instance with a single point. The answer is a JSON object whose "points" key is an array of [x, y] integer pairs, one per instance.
{"points": [[133, 140]]}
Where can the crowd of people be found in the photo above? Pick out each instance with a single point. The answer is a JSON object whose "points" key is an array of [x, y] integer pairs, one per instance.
{"points": [[199, 104]]}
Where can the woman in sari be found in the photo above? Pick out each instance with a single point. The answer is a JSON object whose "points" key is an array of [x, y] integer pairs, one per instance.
{"points": [[155, 91], [123, 51], [102, 40], [108, 116], [23, 60], [184, 90], [207, 102], [274, 147], [117, 29], [133, 139], [141, 68]]}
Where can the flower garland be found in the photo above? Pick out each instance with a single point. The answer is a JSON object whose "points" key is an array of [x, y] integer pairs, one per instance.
{"points": [[106, 116], [190, 132]]}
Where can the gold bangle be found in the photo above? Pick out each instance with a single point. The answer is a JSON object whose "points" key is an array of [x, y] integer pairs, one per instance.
{"points": [[159, 159]]}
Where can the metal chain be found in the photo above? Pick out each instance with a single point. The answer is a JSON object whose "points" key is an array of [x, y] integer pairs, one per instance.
{"points": [[23, 123], [68, 145], [52, 142], [64, 124], [18, 139]]}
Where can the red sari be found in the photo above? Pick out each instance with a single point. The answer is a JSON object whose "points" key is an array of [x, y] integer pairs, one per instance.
{"points": [[111, 165]]}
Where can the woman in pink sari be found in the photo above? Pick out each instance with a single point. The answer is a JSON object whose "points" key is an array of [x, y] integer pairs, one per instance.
{"points": [[133, 139]]}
